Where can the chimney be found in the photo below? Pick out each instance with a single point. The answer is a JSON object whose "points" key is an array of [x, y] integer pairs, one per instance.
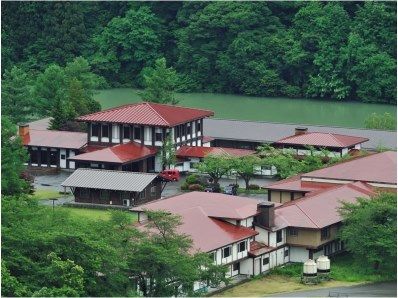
{"points": [[266, 214], [300, 130], [23, 129]]}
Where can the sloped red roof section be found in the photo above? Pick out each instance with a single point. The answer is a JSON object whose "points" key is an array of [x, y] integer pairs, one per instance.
{"points": [[200, 152], [377, 168], [319, 209], [119, 154], [201, 211], [148, 113], [55, 139], [321, 139]]}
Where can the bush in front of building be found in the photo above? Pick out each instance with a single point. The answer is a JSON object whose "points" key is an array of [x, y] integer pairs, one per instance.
{"points": [[254, 186], [195, 187], [192, 179]]}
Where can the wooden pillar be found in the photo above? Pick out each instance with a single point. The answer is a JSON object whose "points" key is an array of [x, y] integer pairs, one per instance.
{"points": [[48, 157], [201, 128], [145, 165], [39, 156], [110, 133], [153, 136], [88, 132], [121, 133], [142, 135], [67, 160], [58, 158]]}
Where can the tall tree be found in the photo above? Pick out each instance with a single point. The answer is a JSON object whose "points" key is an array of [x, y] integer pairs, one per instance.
{"points": [[126, 45], [162, 261], [245, 166], [17, 101], [215, 166], [13, 157], [160, 83], [369, 231]]}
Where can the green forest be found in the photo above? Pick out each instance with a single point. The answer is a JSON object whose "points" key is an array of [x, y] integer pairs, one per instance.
{"points": [[340, 51]]}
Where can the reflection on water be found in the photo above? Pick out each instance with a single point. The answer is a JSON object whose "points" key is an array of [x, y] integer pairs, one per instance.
{"points": [[286, 110]]}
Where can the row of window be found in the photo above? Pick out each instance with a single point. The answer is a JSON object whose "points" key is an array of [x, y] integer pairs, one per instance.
{"points": [[44, 156], [183, 130], [84, 193]]}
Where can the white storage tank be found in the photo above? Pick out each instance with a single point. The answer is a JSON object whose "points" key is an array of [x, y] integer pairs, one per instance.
{"points": [[310, 268], [323, 264]]}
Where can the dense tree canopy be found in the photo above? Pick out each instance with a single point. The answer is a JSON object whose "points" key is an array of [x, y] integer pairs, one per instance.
{"points": [[370, 231], [332, 50]]}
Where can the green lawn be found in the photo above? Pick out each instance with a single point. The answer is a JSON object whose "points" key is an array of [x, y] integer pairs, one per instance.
{"points": [[95, 214], [342, 268], [46, 194]]}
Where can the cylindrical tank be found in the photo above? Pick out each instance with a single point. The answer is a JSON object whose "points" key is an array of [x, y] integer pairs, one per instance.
{"points": [[323, 264], [309, 268]]}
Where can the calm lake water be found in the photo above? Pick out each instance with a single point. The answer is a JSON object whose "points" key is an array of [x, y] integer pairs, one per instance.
{"points": [[271, 109]]}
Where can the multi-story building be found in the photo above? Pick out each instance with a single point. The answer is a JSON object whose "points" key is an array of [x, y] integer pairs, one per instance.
{"points": [[377, 170]]}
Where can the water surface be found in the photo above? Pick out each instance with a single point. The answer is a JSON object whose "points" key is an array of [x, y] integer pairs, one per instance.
{"points": [[270, 109]]}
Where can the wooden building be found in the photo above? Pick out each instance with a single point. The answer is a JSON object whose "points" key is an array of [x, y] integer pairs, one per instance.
{"points": [[51, 148], [122, 188], [133, 135]]}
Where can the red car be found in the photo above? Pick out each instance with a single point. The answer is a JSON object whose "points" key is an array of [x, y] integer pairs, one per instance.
{"points": [[170, 175]]}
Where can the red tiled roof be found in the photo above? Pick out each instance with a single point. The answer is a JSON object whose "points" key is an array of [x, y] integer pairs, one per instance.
{"points": [[148, 113], [120, 154], [258, 248], [292, 183], [319, 209], [201, 211], [377, 168], [55, 139], [321, 139], [200, 152]]}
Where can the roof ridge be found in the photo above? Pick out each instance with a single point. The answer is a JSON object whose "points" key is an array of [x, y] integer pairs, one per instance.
{"points": [[178, 106], [111, 109], [307, 216], [150, 105]]}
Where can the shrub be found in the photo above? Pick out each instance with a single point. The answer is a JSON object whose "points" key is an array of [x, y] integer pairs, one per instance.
{"points": [[184, 186], [254, 186], [195, 187], [192, 179]]}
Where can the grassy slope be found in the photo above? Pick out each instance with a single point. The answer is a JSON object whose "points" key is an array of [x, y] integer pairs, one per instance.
{"points": [[344, 272], [46, 194]]}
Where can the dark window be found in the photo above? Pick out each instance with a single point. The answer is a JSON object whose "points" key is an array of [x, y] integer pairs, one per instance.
{"points": [[292, 232], [226, 252], [266, 261], [153, 190], [325, 233], [63, 156], [212, 256], [183, 130], [189, 128], [126, 132], [53, 158], [104, 194], [124, 195], [291, 196], [177, 131], [105, 131], [84, 193], [286, 252], [198, 127], [279, 236], [158, 136], [236, 267], [241, 246], [95, 130], [43, 156], [137, 133], [34, 156]]}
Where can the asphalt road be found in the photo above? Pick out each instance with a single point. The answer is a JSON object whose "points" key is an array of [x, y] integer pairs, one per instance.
{"points": [[385, 289]]}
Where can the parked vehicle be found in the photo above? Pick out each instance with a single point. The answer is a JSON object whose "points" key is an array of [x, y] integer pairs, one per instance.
{"points": [[170, 175], [231, 190], [214, 187]]}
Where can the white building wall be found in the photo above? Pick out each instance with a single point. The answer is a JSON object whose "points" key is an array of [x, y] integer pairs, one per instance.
{"points": [[246, 266], [158, 163], [71, 163], [147, 135], [298, 254], [62, 162], [115, 133]]}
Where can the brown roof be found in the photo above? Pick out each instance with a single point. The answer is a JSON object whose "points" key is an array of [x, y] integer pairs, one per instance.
{"points": [[148, 113], [322, 139], [293, 183], [203, 217], [55, 139], [200, 152], [258, 248], [377, 168], [120, 154], [320, 209]]}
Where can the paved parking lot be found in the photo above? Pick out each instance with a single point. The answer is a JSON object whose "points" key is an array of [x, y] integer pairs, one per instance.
{"points": [[53, 182]]}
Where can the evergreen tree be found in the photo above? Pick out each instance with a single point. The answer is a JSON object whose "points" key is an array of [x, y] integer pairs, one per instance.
{"points": [[16, 95], [160, 84], [13, 157]]}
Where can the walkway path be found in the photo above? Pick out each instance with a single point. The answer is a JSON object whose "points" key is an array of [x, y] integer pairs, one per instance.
{"points": [[385, 289]]}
